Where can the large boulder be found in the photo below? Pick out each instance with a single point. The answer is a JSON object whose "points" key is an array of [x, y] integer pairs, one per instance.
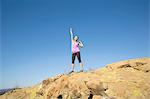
{"points": [[128, 79]]}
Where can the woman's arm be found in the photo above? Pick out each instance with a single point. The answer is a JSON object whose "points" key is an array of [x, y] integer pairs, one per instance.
{"points": [[71, 34], [81, 44]]}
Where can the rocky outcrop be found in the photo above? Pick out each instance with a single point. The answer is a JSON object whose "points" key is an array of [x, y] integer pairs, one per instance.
{"points": [[128, 79]]}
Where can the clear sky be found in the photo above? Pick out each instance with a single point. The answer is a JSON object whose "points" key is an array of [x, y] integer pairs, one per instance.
{"points": [[36, 42]]}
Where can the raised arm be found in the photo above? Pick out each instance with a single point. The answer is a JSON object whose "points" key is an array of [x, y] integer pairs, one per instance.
{"points": [[71, 33]]}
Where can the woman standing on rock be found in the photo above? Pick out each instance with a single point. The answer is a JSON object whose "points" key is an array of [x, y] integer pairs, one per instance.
{"points": [[75, 44]]}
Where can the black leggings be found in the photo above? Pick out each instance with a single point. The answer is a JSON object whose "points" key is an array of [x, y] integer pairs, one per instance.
{"points": [[74, 56]]}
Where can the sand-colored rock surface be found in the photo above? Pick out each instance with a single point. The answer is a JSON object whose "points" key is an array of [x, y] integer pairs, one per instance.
{"points": [[128, 79]]}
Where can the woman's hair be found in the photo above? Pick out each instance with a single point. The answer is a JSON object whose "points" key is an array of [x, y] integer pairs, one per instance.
{"points": [[76, 37]]}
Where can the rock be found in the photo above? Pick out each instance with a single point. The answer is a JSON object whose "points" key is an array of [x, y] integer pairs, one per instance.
{"points": [[127, 79]]}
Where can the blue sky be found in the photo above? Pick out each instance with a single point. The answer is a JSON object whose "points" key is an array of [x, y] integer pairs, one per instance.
{"points": [[36, 42]]}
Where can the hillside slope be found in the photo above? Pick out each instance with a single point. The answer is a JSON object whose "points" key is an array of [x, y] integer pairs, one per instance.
{"points": [[128, 79]]}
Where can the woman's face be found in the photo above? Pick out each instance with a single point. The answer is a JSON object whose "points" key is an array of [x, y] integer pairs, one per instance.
{"points": [[76, 38]]}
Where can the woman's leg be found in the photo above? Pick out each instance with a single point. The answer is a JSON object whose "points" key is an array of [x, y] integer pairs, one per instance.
{"points": [[73, 59], [79, 59]]}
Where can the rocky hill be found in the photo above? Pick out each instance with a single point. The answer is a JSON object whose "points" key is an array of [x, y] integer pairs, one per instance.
{"points": [[129, 79]]}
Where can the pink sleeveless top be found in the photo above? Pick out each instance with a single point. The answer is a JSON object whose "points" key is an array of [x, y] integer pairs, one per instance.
{"points": [[75, 47]]}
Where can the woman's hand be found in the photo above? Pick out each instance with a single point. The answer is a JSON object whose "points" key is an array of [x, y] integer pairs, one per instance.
{"points": [[70, 30], [81, 44], [71, 33]]}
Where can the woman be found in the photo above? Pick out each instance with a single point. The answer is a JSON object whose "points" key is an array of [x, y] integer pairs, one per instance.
{"points": [[75, 44]]}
